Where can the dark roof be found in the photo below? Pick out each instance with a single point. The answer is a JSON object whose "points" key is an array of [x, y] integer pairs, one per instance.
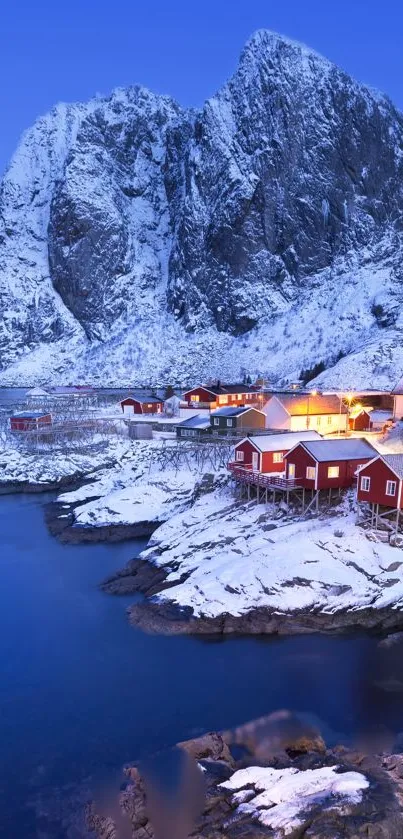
{"points": [[231, 412], [351, 448], [395, 461], [195, 422], [220, 390], [298, 404], [30, 415], [142, 399]]}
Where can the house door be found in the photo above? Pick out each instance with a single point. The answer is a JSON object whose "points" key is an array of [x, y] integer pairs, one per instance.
{"points": [[291, 470], [255, 461], [128, 409]]}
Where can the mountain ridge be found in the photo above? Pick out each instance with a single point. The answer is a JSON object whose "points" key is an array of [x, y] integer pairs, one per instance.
{"points": [[130, 226]]}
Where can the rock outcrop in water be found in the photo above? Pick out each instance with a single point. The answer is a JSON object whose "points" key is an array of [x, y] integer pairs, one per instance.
{"points": [[131, 216], [285, 785]]}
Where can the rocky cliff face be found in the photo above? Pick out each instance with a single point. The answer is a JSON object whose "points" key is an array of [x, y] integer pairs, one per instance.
{"points": [[130, 215]]}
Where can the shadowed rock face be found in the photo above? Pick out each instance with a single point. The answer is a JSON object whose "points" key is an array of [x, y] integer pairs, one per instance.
{"points": [[128, 206]]}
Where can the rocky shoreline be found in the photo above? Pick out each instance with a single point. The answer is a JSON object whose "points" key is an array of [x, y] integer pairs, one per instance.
{"points": [[60, 521], [271, 777]]}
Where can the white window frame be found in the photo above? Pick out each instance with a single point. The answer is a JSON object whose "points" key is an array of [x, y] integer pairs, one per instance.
{"points": [[335, 469], [240, 456], [278, 457], [318, 420], [195, 398], [216, 421], [389, 485], [230, 423], [223, 399], [329, 420], [365, 483], [308, 475]]}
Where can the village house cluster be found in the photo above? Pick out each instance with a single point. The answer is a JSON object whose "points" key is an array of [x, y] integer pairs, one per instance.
{"points": [[292, 443]]}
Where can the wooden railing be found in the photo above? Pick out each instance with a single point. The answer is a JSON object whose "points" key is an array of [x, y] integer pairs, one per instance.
{"points": [[245, 474]]}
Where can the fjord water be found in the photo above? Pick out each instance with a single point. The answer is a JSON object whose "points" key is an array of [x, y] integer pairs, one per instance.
{"points": [[82, 692]]}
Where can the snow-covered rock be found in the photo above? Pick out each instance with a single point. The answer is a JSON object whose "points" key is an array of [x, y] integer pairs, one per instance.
{"points": [[280, 799], [142, 241]]}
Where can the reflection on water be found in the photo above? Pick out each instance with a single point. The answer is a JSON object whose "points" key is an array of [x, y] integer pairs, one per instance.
{"points": [[82, 692]]}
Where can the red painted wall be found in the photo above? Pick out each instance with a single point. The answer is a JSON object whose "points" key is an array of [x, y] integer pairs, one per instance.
{"points": [[302, 459], [361, 423], [204, 395], [141, 407], [247, 449], [379, 473], [27, 424]]}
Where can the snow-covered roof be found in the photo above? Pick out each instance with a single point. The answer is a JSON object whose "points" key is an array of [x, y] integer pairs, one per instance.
{"points": [[232, 412], [352, 448], [37, 391], [142, 399], [195, 422], [280, 442], [30, 415], [381, 416], [297, 404], [395, 461]]}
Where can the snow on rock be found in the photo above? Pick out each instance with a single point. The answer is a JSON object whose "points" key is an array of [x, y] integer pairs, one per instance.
{"points": [[239, 559], [279, 797], [18, 466], [134, 491], [143, 241]]}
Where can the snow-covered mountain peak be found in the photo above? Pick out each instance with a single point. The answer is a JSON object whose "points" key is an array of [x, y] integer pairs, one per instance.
{"points": [[262, 232]]}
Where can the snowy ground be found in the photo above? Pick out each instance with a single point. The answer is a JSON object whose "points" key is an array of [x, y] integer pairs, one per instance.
{"points": [[240, 558], [136, 490], [17, 465], [277, 798]]}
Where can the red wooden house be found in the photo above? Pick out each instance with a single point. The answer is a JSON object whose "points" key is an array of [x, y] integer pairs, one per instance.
{"points": [[266, 453], [380, 481], [141, 405], [29, 420], [222, 395], [327, 464], [370, 419]]}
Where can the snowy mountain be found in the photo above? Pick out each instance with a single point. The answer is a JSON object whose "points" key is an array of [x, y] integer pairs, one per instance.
{"points": [[141, 241]]}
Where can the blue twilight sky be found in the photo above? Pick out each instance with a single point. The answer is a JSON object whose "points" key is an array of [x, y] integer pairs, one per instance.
{"points": [[54, 51]]}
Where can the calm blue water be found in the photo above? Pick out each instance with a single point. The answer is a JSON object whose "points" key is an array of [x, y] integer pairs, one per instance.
{"points": [[82, 691]]}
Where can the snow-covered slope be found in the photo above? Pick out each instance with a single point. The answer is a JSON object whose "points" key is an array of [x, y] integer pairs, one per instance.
{"points": [[140, 241]]}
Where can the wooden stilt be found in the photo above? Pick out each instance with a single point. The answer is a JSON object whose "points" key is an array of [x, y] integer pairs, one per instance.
{"points": [[303, 499], [330, 495], [317, 500], [397, 519]]}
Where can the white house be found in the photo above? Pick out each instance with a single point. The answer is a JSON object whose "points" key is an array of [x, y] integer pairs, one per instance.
{"points": [[298, 412]]}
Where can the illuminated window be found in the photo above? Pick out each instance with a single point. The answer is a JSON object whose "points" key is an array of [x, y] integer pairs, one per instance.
{"points": [[278, 457], [195, 398], [390, 487], [318, 420], [310, 473], [240, 397], [365, 483], [223, 399], [239, 456], [329, 420], [333, 472]]}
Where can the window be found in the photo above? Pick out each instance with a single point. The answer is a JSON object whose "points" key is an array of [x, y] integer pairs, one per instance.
{"points": [[310, 473], [223, 399], [329, 420], [318, 420], [216, 421], [333, 471], [278, 457], [195, 398], [229, 423], [240, 397], [365, 483], [239, 456], [390, 487]]}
